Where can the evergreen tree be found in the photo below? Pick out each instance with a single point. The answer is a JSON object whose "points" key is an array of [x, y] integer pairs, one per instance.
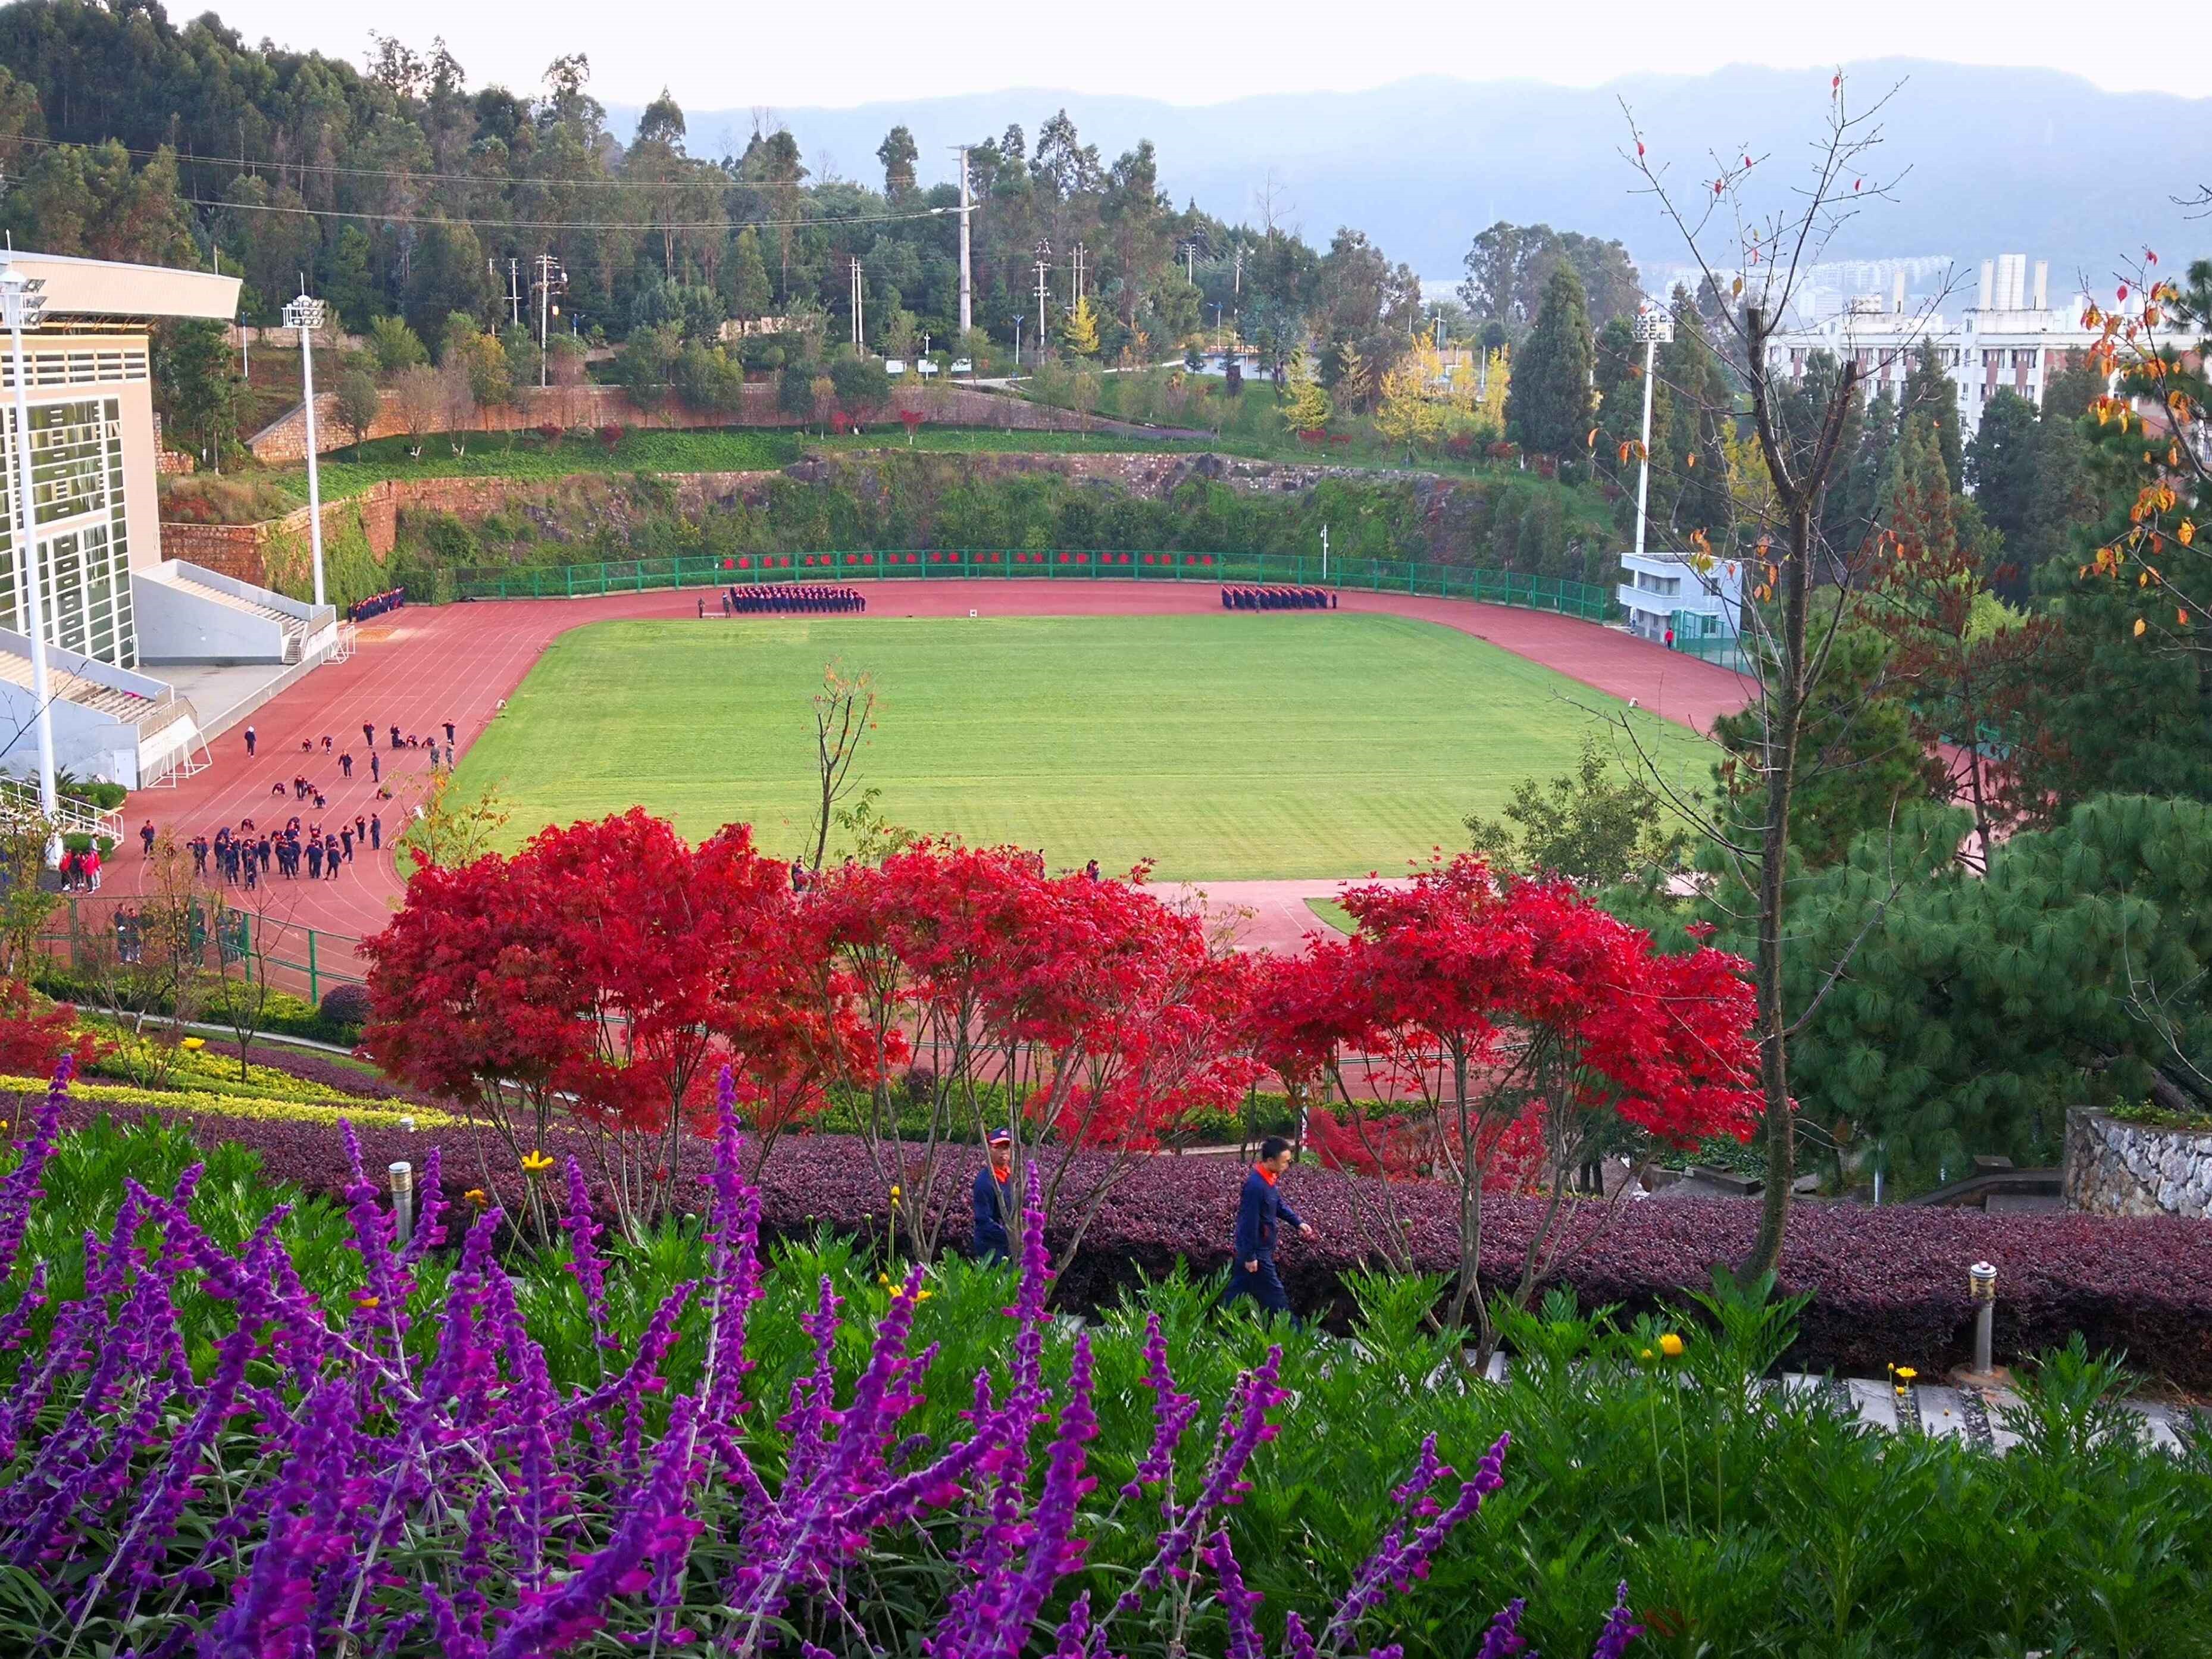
{"points": [[1305, 405], [745, 290], [446, 274], [1548, 408], [1860, 758], [899, 152], [2001, 469], [1691, 459], [1929, 390]]}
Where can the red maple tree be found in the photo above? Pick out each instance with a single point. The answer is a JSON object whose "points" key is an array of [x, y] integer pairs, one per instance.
{"points": [[1509, 1027]]}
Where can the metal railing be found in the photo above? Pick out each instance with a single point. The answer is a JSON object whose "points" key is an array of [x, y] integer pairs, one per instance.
{"points": [[92, 929], [704, 570], [72, 817]]}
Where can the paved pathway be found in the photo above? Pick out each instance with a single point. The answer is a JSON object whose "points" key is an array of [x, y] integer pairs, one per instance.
{"points": [[419, 668]]}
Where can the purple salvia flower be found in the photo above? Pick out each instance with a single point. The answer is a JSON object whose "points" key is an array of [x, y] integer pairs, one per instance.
{"points": [[550, 1620], [1172, 1412], [584, 1260], [1298, 1640], [1238, 1603], [1620, 1630], [20, 1189], [1504, 1638], [1054, 1550]]}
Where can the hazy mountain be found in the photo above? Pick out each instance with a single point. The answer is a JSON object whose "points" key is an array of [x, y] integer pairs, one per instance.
{"points": [[1999, 160]]}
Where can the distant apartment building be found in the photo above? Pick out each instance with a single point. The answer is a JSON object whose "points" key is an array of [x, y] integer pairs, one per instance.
{"points": [[2012, 340]]}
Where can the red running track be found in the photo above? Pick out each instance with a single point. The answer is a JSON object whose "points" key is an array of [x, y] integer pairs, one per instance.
{"points": [[420, 668]]}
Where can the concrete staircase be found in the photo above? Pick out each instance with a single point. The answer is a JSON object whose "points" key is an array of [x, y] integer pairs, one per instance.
{"points": [[295, 627], [147, 715]]}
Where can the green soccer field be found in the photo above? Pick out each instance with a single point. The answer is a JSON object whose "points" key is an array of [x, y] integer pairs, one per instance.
{"points": [[1222, 747]]}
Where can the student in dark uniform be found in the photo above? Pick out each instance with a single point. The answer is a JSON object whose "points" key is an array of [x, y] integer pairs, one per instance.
{"points": [[1260, 1213], [995, 1201]]}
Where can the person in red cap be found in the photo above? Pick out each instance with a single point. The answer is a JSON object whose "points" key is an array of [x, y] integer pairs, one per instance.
{"points": [[995, 1201]]}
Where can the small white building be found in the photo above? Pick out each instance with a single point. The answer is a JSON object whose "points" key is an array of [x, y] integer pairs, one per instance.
{"points": [[1666, 594], [2012, 340]]}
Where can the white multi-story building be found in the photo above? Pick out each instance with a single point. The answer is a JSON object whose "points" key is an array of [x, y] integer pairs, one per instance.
{"points": [[113, 609], [2011, 339]]}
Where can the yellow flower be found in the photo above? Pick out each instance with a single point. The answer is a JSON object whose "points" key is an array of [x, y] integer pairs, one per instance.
{"points": [[367, 1304], [1906, 1373], [1646, 1354], [192, 1044], [882, 1278], [1671, 1345], [477, 1196], [895, 1194], [923, 1295], [536, 1163]]}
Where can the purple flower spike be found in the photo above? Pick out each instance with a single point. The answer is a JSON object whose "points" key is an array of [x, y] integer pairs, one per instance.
{"points": [[1620, 1630]]}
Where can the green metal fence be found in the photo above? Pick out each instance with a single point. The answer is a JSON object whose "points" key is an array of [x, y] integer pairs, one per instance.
{"points": [[103, 932], [706, 570]]}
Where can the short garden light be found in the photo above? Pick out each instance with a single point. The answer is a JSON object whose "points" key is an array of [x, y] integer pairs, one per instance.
{"points": [[402, 1199], [1982, 1286]]}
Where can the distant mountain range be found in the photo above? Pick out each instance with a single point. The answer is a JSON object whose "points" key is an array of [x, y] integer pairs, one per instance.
{"points": [[2000, 159]]}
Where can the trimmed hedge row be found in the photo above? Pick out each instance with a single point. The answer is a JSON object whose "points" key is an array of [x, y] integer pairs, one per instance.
{"points": [[1889, 1285]]}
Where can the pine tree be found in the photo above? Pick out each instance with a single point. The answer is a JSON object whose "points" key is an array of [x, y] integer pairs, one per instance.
{"points": [[1689, 454], [1547, 410], [744, 277], [1929, 391]]}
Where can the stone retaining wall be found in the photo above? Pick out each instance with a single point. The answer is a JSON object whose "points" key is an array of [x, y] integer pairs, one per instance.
{"points": [[285, 439], [2115, 1168], [238, 549]]}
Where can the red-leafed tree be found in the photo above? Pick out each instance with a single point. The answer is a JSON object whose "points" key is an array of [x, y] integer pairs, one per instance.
{"points": [[1511, 1025], [609, 970], [1084, 1017]]}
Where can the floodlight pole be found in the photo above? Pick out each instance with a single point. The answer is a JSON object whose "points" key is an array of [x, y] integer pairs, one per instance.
{"points": [[20, 307], [967, 207], [1653, 325], [307, 315]]}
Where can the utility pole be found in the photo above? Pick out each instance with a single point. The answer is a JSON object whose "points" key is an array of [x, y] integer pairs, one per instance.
{"points": [[514, 292], [1017, 341], [1190, 263], [1075, 276], [860, 300], [1239, 290], [1653, 325], [549, 272], [967, 288], [1043, 266]]}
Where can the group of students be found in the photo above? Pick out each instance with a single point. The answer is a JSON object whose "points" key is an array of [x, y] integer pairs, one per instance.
{"points": [[1261, 1214], [376, 605], [1270, 597], [245, 857], [81, 871], [813, 597]]}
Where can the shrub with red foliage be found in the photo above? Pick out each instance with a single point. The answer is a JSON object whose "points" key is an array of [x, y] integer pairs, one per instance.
{"points": [[34, 1034]]}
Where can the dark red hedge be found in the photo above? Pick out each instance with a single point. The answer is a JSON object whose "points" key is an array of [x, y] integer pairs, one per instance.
{"points": [[1889, 1285]]}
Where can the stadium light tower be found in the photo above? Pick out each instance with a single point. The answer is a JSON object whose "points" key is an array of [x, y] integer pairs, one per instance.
{"points": [[1655, 325], [307, 315], [21, 306]]}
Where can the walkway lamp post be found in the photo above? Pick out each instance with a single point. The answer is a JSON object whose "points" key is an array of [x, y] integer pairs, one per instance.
{"points": [[1654, 325], [307, 315], [21, 306]]}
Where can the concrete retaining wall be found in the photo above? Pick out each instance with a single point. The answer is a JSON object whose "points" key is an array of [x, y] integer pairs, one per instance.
{"points": [[2115, 1168]]}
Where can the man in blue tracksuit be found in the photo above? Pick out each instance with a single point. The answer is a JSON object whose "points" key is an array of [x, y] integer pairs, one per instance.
{"points": [[1258, 1210], [995, 1201]]}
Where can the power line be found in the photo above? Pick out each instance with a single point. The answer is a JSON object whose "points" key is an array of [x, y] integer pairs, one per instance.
{"points": [[565, 224], [329, 168]]}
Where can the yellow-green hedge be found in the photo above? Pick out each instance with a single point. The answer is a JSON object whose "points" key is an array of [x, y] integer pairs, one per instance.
{"points": [[209, 1102]]}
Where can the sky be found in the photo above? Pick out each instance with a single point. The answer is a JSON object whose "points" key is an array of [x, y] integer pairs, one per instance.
{"points": [[712, 55]]}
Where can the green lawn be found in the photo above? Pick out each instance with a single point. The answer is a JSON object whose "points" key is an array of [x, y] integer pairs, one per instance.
{"points": [[1227, 747]]}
